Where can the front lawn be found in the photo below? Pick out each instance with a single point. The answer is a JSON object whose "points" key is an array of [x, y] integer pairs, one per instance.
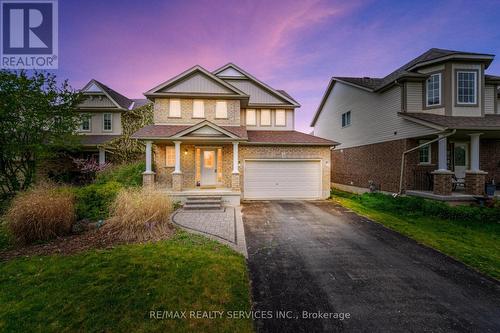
{"points": [[115, 290], [474, 240]]}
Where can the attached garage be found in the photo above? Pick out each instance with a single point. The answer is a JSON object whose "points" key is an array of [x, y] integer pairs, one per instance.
{"points": [[282, 179]]}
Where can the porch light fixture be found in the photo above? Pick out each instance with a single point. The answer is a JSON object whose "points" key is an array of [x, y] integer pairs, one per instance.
{"points": [[185, 151]]}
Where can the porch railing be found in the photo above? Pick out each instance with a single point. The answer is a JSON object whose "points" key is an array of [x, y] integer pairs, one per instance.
{"points": [[423, 180]]}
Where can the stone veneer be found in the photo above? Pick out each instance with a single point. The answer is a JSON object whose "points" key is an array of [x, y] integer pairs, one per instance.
{"points": [[474, 182], [161, 107], [287, 152], [442, 182]]}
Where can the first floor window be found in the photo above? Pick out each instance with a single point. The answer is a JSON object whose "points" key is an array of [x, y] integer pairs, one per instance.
{"points": [[170, 156], [250, 117], [85, 125], [198, 109], [265, 117], [280, 118], [221, 109], [174, 109], [433, 87], [466, 87], [107, 124], [424, 153], [346, 119]]}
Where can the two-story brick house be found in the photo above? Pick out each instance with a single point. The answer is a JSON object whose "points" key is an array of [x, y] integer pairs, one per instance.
{"points": [[102, 108], [432, 124], [226, 133]]}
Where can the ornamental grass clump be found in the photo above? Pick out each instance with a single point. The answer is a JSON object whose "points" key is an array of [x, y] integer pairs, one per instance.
{"points": [[140, 215], [42, 213]]}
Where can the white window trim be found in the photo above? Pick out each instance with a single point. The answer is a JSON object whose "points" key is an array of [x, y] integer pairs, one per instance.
{"points": [[439, 89], [89, 118], [170, 115], [111, 118], [350, 116], [226, 113], [254, 121], [429, 162], [270, 118], [202, 103], [475, 87], [276, 118], [166, 157]]}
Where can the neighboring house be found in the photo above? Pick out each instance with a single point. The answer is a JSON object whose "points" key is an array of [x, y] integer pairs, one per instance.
{"points": [[441, 93], [102, 108], [228, 134]]}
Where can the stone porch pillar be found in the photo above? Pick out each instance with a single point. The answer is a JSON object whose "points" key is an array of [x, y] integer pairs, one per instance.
{"points": [[102, 156], [475, 178], [177, 174], [235, 177], [443, 176], [148, 176]]}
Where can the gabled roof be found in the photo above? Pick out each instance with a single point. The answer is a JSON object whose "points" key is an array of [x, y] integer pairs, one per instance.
{"points": [[287, 137], [407, 71], [245, 75], [229, 89], [118, 99], [93, 140], [179, 131]]}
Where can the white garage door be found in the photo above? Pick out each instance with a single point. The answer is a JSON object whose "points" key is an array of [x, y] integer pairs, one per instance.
{"points": [[281, 179]]}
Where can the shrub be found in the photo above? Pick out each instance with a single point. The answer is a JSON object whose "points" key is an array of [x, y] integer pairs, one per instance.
{"points": [[125, 174], [93, 201], [414, 206], [40, 214], [140, 214]]}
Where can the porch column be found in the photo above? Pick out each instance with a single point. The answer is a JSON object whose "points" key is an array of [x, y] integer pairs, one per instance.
{"points": [[443, 177], [235, 177], [475, 179], [102, 156], [148, 176], [177, 174]]}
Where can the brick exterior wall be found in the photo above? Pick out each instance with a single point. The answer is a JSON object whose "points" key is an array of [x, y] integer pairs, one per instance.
{"points": [[290, 152], [381, 163], [161, 107], [489, 159]]}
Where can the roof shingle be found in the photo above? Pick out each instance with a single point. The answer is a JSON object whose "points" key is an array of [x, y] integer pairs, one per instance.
{"points": [[488, 122], [287, 137]]}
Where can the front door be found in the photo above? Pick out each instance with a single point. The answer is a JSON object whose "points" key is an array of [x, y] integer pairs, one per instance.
{"points": [[208, 167], [461, 158]]}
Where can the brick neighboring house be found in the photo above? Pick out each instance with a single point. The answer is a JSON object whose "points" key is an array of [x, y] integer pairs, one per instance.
{"points": [[103, 108], [440, 94], [226, 133]]}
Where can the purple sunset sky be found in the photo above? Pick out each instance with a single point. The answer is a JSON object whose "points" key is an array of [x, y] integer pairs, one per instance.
{"points": [[292, 45]]}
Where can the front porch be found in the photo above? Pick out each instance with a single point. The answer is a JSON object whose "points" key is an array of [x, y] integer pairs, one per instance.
{"points": [[468, 166]]}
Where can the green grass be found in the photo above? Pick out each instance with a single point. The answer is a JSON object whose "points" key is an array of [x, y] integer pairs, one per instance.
{"points": [[115, 290], [474, 243], [5, 240]]}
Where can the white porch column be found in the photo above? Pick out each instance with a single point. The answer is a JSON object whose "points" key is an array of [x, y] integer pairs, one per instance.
{"points": [[443, 155], [102, 156], [177, 157], [149, 153], [235, 158], [474, 151]]}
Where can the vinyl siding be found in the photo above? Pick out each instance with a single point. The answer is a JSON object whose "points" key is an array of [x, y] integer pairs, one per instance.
{"points": [[414, 97], [489, 99], [198, 83], [257, 94], [97, 124], [97, 101], [374, 117]]}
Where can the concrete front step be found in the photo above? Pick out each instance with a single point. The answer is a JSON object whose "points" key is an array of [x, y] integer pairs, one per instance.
{"points": [[203, 197], [201, 207]]}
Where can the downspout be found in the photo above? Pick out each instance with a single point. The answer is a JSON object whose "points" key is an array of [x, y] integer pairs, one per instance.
{"points": [[403, 157]]}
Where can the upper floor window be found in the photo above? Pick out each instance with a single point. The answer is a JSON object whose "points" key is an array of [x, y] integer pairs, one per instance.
{"points": [[107, 122], [198, 109], [85, 126], [424, 153], [174, 110], [169, 156], [346, 119], [466, 87], [221, 109], [434, 90], [265, 117], [250, 117], [280, 118]]}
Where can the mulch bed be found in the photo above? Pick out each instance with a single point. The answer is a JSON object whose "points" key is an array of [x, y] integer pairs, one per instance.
{"points": [[88, 240]]}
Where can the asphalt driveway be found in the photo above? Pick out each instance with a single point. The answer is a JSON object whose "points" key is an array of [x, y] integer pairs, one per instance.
{"points": [[320, 257]]}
